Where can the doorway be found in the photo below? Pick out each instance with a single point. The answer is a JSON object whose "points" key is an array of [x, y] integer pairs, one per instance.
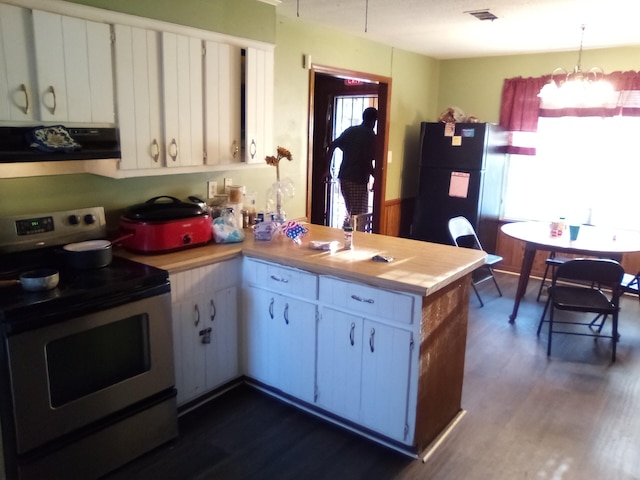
{"points": [[337, 99], [347, 112]]}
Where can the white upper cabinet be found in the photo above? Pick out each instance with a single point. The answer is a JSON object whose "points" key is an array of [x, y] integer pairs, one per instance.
{"points": [[239, 103], [159, 85], [137, 64], [58, 68], [183, 97], [258, 86], [17, 75], [222, 82], [185, 100]]}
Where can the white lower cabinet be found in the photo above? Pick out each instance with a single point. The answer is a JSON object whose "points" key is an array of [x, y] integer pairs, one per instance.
{"points": [[363, 371], [205, 328], [345, 347], [280, 342], [339, 363]]}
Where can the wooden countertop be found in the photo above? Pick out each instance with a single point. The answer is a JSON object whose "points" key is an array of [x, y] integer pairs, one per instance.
{"points": [[418, 267]]}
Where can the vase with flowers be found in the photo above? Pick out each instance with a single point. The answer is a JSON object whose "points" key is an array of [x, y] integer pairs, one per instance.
{"points": [[282, 189]]}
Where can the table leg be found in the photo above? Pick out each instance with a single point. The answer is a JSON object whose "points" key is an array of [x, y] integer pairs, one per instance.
{"points": [[525, 271]]}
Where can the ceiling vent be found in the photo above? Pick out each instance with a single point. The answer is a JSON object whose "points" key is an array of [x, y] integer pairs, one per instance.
{"points": [[482, 14]]}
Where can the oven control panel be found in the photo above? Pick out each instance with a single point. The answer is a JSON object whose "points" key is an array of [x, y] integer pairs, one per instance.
{"points": [[30, 231]]}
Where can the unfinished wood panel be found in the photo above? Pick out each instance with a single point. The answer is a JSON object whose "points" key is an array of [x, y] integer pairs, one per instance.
{"points": [[443, 339]]}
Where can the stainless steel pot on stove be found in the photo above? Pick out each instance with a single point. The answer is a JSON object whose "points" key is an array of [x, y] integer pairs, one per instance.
{"points": [[35, 280], [88, 254]]}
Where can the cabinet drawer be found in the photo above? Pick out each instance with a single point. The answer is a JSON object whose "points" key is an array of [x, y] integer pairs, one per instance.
{"points": [[281, 279], [366, 300]]}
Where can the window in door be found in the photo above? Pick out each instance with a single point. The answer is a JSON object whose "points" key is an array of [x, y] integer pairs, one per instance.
{"points": [[347, 112]]}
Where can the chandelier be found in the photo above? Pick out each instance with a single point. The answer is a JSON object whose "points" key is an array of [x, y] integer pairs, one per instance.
{"points": [[577, 87]]}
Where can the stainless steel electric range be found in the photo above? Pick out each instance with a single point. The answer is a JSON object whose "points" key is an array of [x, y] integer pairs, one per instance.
{"points": [[86, 368]]}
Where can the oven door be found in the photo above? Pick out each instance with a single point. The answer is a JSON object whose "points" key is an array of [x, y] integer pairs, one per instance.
{"points": [[67, 375]]}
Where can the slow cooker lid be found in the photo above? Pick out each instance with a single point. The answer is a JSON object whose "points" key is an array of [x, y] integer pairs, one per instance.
{"points": [[163, 208]]}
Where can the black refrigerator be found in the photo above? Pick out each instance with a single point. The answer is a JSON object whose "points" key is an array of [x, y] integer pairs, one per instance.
{"points": [[461, 173]]}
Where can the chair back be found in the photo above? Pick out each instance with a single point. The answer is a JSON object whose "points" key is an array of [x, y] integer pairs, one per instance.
{"points": [[599, 271], [460, 227]]}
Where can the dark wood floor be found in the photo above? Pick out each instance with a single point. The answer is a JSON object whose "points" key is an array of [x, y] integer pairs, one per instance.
{"points": [[573, 416]]}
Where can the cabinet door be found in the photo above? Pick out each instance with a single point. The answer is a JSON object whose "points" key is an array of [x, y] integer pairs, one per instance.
{"points": [[386, 364], [17, 75], [294, 342], [182, 99], [259, 342], [176, 324], [258, 105], [138, 100], [192, 323], [204, 328], [339, 363], [222, 352], [222, 103], [73, 64]]}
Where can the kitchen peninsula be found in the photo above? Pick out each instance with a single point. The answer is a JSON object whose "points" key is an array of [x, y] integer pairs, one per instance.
{"points": [[376, 347]]}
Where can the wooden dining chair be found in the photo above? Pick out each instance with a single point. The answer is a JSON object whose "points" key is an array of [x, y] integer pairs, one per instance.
{"points": [[463, 235], [579, 286]]}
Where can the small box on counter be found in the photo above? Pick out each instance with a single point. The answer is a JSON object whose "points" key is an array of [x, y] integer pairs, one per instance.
{"points": [[264, 230]]}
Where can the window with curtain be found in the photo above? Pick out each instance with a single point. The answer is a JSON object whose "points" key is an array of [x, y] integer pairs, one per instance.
{"points": [[581, 162]]}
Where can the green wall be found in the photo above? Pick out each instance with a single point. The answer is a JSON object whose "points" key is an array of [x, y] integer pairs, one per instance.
{"points": [[421, 88], [475, 85]]}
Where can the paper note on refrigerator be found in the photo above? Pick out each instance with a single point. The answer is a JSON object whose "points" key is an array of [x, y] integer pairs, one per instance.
{"points": [[459, 184], [449, 129]]}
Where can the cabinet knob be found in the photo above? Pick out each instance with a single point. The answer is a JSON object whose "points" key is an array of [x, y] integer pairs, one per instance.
{"points": [[173, 149], [52, 91], [364, 300], [196, 312], [23, 87], [155, 150], [371, 339]]}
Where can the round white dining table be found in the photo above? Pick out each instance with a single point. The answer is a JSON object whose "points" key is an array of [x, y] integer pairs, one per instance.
{"points": [[592, 241]]}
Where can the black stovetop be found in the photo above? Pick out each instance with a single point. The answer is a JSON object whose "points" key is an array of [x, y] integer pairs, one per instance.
{"points": [[80, 291]]}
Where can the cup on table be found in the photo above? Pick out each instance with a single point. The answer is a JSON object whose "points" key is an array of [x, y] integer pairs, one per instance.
{"points": [[573, 232]]}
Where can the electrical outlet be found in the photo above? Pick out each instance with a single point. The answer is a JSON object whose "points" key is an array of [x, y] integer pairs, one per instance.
{"points": [[227, 183], [212, 188]]}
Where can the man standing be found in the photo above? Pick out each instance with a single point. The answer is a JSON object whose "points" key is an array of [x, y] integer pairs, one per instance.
{"points": [[358, 146]]}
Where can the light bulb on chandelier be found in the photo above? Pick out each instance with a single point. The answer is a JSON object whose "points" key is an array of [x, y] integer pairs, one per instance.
{"points": [[577, 87]]}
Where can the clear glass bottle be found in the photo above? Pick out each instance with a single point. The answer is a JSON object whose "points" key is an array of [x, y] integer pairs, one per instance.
{"points": [[348, 237]]}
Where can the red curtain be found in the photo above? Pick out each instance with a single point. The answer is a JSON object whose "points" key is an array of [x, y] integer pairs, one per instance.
{"points": [[628, 84], [521, 107], [519, 112]]}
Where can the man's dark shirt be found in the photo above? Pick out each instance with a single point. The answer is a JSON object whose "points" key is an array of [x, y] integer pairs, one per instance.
{"points": [[357, 145]]}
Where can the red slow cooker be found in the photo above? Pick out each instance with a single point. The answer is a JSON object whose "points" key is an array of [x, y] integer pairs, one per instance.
{"points": [[162, 224]]}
